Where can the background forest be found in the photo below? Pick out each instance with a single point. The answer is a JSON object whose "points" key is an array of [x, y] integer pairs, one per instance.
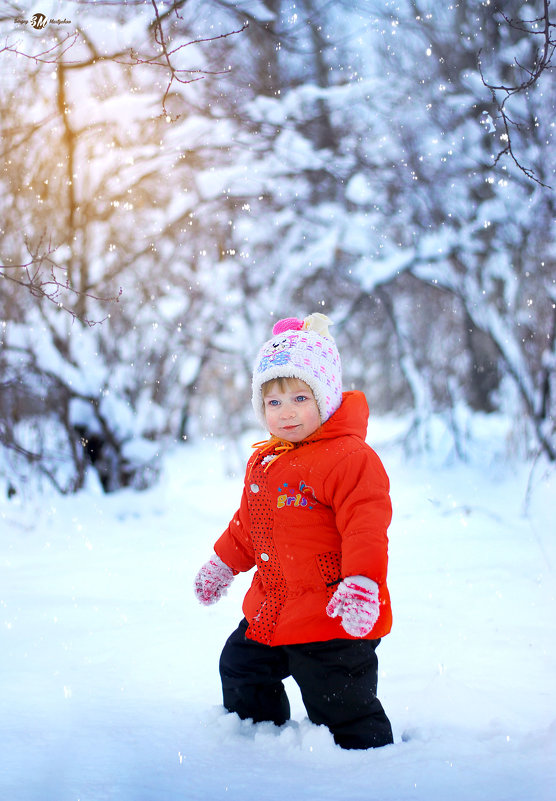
{"points": [[177, 176]]}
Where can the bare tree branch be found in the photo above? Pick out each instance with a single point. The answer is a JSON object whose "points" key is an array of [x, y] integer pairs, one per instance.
{"points": [[502, 93], [40, 278], [166, 61], [132, 58], [49, 56]]}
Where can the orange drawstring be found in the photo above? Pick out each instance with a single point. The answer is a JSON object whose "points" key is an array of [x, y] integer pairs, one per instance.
{"points": [[280, 447]]}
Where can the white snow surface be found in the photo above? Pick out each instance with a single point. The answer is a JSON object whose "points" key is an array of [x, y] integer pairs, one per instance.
{"points": [[109, 683]]}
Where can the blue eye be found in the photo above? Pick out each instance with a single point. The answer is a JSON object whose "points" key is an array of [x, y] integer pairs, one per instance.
{"points": [[301, 398], [273, 402]]}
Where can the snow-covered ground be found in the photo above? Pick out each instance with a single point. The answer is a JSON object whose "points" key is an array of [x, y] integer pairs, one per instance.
{"points": [[109, 683]]}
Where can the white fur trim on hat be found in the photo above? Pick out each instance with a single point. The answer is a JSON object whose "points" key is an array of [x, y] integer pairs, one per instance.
{"points": [[301, 349]]}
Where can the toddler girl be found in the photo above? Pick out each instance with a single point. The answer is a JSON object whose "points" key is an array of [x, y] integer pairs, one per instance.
{"points": [[313, 519]]}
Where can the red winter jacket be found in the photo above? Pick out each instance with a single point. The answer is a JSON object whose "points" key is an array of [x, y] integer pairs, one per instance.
{"points": [[308, 518]]}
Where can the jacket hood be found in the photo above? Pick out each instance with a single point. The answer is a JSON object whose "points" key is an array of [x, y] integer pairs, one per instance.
{"points": [[351, 418]]}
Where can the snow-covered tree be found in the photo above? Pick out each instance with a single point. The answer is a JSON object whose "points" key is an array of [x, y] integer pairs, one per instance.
{"points": [[343, 157], [99, 202]]}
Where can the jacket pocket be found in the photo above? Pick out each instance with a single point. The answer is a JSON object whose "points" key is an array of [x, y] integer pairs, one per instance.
{"points": [[329, 565]]}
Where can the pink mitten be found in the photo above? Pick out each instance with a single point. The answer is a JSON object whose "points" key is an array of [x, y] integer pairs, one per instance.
{"points": [[356, 602], [212, 581]]}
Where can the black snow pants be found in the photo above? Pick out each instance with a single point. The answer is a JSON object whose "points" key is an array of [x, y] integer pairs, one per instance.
{"points": [[337, 679]]}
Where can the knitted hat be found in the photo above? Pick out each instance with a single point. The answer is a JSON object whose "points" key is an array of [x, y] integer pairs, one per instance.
{"points": [[301, 349]]}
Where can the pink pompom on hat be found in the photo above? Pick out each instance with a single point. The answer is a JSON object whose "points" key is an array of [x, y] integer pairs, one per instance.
{"points": [[301, 349]]}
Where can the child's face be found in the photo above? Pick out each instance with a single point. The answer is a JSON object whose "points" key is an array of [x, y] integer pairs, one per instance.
{"points": [[291, 414]]}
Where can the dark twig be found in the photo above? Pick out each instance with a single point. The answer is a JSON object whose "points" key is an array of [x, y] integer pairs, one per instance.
{"points": [[502, 93], [41, 281]]}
